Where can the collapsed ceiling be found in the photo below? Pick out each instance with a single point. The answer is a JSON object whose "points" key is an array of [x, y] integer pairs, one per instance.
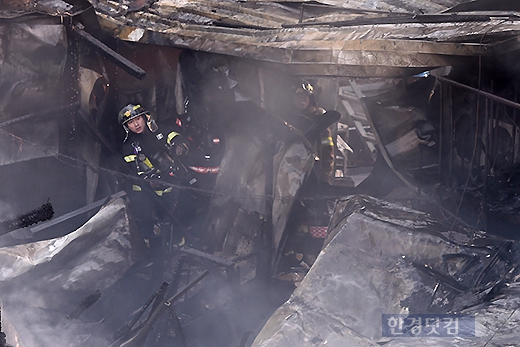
{"points": [[312, 39], [330, 38]]}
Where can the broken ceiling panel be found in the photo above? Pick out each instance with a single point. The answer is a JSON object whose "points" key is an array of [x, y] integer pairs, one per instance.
{"points": [[338, 43], [218, 13], [335, 38]]}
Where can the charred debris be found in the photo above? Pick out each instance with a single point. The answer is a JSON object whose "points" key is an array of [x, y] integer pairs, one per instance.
{"points": [[426, 153]]}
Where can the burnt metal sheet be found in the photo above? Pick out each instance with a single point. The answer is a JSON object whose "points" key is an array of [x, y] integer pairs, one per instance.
{"points": [[292, 165], [43, 282], [33, 56], [372, 264]]}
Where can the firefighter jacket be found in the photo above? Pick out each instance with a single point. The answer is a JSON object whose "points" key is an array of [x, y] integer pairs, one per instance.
{"points": [[157, 156]]}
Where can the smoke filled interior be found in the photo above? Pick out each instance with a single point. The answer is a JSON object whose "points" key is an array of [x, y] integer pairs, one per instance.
{"points": [[267, 215]]}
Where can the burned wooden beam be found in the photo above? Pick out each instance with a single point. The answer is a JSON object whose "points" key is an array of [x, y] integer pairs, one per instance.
{"points": [[43, 213], [140, 337], [224, 24], [76, 212], [109, 53], [126, 332], [24, 233], [439, 276]]}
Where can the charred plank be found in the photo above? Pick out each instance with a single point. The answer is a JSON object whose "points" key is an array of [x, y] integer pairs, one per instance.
{"points": [[43, 213], [109, 53]]}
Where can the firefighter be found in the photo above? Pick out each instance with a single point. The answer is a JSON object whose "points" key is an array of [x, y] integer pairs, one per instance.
{"points": [[308, 220], [305, 115], [155, 156]]}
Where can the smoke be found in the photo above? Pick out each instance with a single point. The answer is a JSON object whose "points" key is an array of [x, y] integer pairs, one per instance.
{"points": [[6, 211]]}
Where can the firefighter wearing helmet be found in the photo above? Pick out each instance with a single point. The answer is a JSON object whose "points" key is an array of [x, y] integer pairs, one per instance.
{"points": [[304, 115], [132, 112], [155, 156], [310, 216]]}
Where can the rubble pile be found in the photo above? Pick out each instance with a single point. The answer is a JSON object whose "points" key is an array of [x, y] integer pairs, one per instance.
{"points": [[383, 259]]}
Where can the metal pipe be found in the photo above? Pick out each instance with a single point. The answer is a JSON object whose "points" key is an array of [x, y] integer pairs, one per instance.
{"points": [[480, 92]]}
